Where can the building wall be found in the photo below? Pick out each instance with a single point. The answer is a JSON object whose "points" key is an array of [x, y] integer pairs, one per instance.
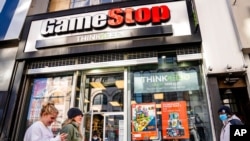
{"points": [[241, 17], [38, 6], [13, 13], [220, 45]]}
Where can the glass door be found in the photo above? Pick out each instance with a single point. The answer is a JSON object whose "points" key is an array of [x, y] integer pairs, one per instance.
{"points": [[113, 127], [103, 105]]}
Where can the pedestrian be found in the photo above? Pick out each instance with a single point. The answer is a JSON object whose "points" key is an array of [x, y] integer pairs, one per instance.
{"points": [[40, 130], [227, 118], [95, 137], [71, 125]]}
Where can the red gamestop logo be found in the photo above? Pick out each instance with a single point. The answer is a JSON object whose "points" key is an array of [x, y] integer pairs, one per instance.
{"points": [[116, 17], [156, 15]]}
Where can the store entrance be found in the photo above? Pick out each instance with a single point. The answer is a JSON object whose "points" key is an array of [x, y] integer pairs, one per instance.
{"points": [[104, 103], [233, 93], [105, 127]]}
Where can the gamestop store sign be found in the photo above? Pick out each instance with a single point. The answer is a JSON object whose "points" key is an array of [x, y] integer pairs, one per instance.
{"points": [[170, 19], [165, 82]]}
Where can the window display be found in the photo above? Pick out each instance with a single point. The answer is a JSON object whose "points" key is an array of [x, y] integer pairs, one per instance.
{"points": [[180, 104], [56, 89], [143, 121], [174, 120]]}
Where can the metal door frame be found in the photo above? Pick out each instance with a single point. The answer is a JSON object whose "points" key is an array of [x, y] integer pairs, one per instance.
{"points": [[125, 99]]}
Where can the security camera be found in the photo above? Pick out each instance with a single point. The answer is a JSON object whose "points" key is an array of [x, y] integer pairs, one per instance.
{"points": [[245, 66], [229, 67], [210, 68]]}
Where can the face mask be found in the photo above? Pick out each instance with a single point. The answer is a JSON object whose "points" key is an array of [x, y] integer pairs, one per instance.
{"points": [[223, 117], [95, 138]]}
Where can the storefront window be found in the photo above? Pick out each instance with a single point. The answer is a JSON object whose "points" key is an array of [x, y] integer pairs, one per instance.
{"points": [[168, 104], [56, 89], [104, 93], [82, 3]]}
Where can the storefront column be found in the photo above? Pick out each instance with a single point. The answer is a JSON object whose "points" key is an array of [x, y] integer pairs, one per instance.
{"points": [[214, 95], [12, 116]]}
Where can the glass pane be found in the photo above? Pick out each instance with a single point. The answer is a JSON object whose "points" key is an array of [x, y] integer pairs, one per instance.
{"points": [[114, 125], [104, 93], [56, 89], [168, 103], [79, 3], [87, 125], [106, 1]]}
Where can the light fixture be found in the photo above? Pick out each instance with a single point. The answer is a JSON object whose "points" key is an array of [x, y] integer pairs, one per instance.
{"points": [[158, 112], [133, 102], [119, 84], [86, 100], [111, 119], [97, 85], [158, 106], [115, 103], [77, 89], [189, 57], [158, 96], [228, 91]]}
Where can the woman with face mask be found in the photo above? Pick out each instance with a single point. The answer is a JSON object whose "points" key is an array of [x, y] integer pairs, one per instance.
{"points": [[227, 118], [95, 137]]}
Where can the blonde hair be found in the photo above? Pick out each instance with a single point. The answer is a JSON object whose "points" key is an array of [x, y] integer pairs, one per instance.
{"points": [[48, 108]]}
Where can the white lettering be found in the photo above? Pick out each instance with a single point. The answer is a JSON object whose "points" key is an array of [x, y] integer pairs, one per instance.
{"points": [[239, 132]]}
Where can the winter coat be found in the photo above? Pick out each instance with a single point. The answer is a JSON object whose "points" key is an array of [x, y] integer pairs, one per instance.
{"points": [[72, 130]]}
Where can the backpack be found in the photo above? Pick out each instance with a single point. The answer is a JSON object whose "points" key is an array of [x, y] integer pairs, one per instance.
{"points": [[235, 122]]}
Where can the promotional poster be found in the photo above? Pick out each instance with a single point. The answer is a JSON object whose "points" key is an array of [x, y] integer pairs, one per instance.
{"points": [[174, 120], [144, 124], [56, 89]]}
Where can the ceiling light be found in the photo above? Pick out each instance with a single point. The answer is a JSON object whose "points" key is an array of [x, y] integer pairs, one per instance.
{"points": [[158, 105], [133, 102], [111, 119], [158, 96], [158, 112], [228, 91], [114, 103], [119, 84], [86, 101], [97, 85]]}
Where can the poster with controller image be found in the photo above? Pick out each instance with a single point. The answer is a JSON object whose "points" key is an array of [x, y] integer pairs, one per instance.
{"points": [[174, 120], [144, 121]]}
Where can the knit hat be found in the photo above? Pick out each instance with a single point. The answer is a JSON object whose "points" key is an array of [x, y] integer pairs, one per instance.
{"points": [[225, 109], [73, 112]]}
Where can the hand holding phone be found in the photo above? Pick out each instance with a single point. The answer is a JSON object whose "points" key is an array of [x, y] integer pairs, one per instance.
{"points": [[63, 136]]}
